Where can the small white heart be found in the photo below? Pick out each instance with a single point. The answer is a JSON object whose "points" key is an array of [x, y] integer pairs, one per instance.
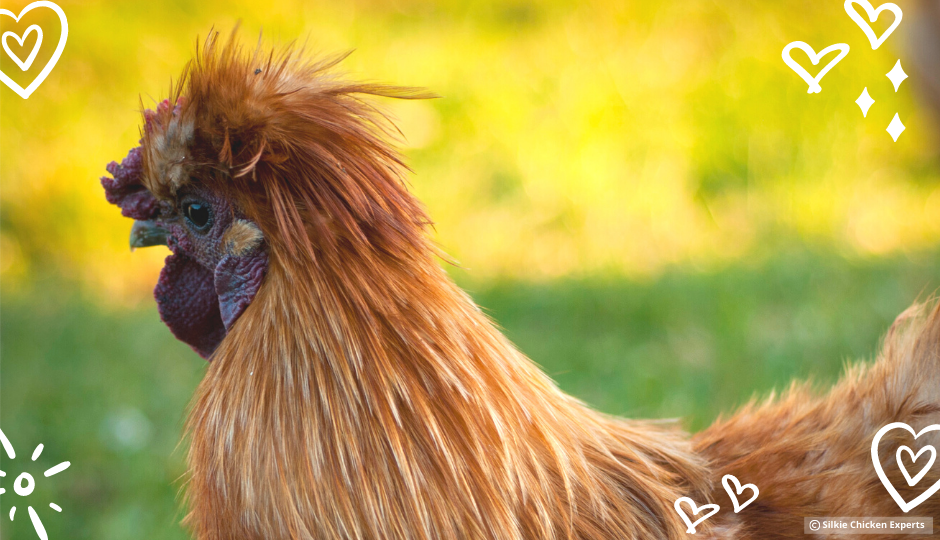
{"points": [[873, 16], [32, 55], [727, 480], [813, 82], [923, 472], [695, 511], [876, 461]]}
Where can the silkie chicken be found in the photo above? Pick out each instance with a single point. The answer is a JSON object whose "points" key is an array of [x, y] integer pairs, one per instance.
{"points": [[355, 392]]}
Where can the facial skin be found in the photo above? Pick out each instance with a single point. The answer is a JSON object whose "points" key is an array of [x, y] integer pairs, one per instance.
{"points": [[218, 260]]}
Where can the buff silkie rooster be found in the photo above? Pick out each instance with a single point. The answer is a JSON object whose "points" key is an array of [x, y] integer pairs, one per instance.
{"points": [[354, 392]]}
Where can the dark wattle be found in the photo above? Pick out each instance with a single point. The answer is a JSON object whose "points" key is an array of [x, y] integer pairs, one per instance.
{"points": [[188, 304]]}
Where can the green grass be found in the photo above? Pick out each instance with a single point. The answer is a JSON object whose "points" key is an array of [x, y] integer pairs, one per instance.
{"points": [[107, 389]]}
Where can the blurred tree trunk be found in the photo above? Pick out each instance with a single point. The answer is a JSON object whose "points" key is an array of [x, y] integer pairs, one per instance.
{"points": [[925, 54]]}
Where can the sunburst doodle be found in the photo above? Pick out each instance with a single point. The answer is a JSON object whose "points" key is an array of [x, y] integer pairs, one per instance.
{"points": [[24, 485]]}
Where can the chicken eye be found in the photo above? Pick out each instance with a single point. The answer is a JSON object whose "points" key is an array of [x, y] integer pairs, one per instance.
{"points": [[198, 214]]}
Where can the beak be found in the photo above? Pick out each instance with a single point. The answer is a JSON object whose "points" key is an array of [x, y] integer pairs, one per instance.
{"points": [[146, 234]]}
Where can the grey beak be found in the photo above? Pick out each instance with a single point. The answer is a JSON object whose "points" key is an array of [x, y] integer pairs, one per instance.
{"points": [[146, 234]]}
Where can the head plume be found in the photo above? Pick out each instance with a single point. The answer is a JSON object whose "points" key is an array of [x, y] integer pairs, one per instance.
{"points": [[296, 148]]}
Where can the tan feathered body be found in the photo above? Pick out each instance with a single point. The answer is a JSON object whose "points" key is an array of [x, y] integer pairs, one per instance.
{"points": [[810, 454], [363, 395]]}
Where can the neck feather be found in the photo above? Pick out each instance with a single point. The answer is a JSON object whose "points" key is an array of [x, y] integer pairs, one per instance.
{"points": [[361, 396]]}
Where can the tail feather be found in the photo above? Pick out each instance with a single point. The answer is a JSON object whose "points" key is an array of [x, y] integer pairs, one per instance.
{"points": [[810, 455]]}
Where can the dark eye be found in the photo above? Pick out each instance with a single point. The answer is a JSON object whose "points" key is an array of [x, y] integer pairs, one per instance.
{"points": [[198, 214]]}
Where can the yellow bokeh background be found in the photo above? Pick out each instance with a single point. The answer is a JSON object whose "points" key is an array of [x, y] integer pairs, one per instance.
{"points": [[571, 138]]}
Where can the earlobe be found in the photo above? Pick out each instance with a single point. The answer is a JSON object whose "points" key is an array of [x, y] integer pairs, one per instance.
{"points": [[239, 274], [237, 280]]}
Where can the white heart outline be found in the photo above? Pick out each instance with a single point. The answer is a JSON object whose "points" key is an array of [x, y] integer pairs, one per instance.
{"points": [[739, 488], [26, 92], [873, 16], [695, 510], [912, 481], [814, 57], [24, 66], [904, 505]]}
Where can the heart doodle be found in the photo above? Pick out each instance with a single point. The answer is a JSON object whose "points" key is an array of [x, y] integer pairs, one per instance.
{"points": [[919, 476], [905, 505], [814, 57], [727, 480], [26, 92], [872, 17], [32, 55], [695, 511]]}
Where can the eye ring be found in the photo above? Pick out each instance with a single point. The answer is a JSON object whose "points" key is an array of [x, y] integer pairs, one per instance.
{"points": [[198, 215]]}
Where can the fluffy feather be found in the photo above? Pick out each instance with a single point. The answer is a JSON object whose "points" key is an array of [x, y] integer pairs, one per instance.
{"points": [[811, 454]]}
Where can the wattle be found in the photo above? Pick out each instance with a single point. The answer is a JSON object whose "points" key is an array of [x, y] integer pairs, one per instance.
{"points": [[188, 304]]}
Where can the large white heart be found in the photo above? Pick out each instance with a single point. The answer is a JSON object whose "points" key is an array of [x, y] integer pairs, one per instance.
{"points": [[872, 17], [695, 511], [727, 480], [24, 65], [26, 92], [813, 82], [905, 506]]}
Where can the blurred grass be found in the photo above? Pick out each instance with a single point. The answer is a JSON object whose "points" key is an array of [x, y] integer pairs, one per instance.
{"points": [[107, 388]]}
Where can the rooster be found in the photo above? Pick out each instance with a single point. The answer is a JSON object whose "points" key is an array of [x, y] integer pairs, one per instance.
{"points": [[355, 392]]}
